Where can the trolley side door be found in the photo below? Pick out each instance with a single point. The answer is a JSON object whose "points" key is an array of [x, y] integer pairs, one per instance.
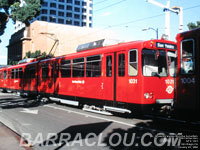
{"points": [[186, 79], [121, 77], [108, 81]]}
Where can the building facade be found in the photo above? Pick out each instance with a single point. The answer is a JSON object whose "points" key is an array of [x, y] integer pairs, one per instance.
{"points": [[69, 12], [53, 38]]}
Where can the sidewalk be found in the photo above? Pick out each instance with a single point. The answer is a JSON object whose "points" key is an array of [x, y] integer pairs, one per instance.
{"points": [[9, 140]]}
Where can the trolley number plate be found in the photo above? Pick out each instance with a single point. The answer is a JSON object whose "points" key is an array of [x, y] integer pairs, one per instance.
{"points": [[132, 81], [188, 80]]}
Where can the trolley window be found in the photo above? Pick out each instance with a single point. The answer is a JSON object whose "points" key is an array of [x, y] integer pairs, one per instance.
{"points": [[20, 73], [45, 70], [29, 72], [52, 70], [93, 66], [172, 61], [187, 56], [154, 63], [1, 75], [121, 65], [32, 71], [16, 73], [57, 67], [133, 63], [65, 68], [12, 74], [26, 73], [78, 69], [5, 74], [109, 66]]}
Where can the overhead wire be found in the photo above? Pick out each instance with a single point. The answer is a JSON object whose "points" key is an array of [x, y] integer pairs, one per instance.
{"points": [[110, 5], [130, 22], [99, 2]]}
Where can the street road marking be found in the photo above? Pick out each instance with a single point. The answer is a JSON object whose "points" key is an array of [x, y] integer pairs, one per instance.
{"points": [[30, 111], [111, 120]]}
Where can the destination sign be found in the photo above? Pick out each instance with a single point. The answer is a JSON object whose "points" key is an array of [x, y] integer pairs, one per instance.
{"points": [[166, 45]]}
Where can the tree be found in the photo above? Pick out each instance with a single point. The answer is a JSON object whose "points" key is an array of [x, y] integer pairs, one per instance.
{"points": [[15, 10], [192, 25], [37, 54]]}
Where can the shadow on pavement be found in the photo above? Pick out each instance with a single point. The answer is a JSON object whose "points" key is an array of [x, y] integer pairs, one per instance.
{"points": [[17, 102]]}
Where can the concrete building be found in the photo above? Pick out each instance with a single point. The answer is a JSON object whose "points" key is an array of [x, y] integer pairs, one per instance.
{"points": [[69, 12], [57, 38]]}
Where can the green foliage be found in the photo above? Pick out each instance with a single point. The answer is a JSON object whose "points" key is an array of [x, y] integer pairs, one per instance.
{"points": [[37, 54], [192, 25], [13, 62], [26, 12], [22, 12], [3, 21]]}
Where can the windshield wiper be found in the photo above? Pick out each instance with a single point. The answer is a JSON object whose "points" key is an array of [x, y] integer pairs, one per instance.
{"points": [[155, 74]]}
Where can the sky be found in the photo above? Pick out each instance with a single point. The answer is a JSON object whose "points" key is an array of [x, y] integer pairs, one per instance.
{"points": [[127, 18]]}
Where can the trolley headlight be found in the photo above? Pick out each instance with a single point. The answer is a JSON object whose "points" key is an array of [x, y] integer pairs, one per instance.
{"points": [[148, 95]]}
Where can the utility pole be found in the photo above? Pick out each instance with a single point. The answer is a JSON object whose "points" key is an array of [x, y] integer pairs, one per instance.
{"points": [[167, 9]]}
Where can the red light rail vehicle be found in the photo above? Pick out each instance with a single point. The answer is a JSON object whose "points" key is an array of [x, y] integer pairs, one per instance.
{"points": [[123, 77], [187, 101], [3, 79]]}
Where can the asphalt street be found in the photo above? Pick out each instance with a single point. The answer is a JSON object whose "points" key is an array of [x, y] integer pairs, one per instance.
{"points": [[58, 127]]}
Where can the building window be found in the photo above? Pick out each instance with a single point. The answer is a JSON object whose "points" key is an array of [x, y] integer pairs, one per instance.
{"points": [[90, 18], [60, 13], [84, 17], [76, 23], [62, 1], [78, 69], [77, 2], [45, 4], [90, 25], [44, 11], [52, 12], [68, 22], [93, 66], [53, 5], [69, 14], [77, 9], [84, 4], [60, 20], [69, 7], [61, 6], [76, 16], [84, 10], [69, 1], [52, 19], [90, 11], [83, 24], [43, 18]]}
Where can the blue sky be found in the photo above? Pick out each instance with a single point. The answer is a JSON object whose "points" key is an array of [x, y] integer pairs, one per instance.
{"points": [[127, 18]]}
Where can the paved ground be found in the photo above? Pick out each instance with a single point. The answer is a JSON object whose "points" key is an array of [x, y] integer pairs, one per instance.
{"points": [[58, 127]]}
